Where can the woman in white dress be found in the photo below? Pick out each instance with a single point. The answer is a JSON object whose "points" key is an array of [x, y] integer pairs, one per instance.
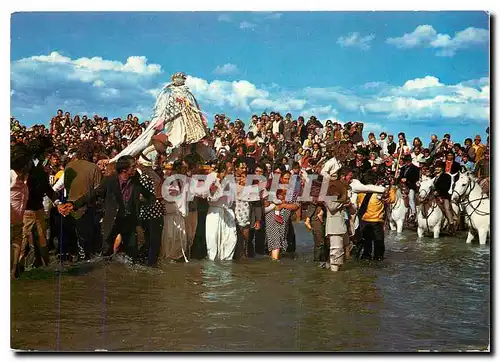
{"points": [[221, 235]]}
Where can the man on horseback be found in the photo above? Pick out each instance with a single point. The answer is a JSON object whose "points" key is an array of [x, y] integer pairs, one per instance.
{"points": [[443, 185], [482, 172], [408, 178]]}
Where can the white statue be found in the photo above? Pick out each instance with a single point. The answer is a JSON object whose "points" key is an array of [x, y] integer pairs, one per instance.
{"points": [[177, 115]]}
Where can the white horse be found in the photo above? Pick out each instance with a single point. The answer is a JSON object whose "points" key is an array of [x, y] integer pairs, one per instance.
{"points": [[434, 219], [398, 212], [476, 206]]}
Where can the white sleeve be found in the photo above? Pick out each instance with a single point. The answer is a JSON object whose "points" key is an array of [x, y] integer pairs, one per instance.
{"points": [[269, 208], [358, 187], [59, 185]]}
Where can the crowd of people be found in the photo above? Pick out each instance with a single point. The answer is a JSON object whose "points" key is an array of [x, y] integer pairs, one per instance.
{"points": [[68, 199]]}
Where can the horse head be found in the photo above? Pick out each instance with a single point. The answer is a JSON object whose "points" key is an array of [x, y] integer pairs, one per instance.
{"points": [[463, 186], [425, 190]]}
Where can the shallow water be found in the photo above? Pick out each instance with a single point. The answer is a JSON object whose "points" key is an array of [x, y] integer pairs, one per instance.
{"points": [[426, 295]]}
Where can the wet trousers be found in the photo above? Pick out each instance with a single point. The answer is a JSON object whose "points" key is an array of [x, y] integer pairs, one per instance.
{"points": [[373, 234]]}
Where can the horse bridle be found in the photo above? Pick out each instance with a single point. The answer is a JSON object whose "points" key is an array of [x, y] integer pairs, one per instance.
{"points": [[471, 184]]}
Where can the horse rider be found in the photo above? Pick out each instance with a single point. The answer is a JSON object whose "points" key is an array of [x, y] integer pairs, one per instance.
{"points": [[443, 186], [408, 177]]}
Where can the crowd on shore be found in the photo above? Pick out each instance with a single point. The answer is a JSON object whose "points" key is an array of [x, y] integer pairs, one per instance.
{"points": [[61, 172]]}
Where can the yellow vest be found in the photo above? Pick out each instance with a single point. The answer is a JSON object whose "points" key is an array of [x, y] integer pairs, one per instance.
{"points": [[375, 210]]}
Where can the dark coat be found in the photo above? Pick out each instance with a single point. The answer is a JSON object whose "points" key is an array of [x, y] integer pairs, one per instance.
{"points": [[109, 190], [303, 133], [391, 148], [359, 171], [38, 186], [442, 185], [289, 130], [412, 175], [471, 153]]}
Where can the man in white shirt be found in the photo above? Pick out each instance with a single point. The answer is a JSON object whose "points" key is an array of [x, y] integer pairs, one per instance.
{"points": [[417, 157], [331, 167], [278, 126], [383, 144]]}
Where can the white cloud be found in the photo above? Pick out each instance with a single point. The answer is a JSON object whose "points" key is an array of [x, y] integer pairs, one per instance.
{"points": [[462, 39], [427, 36], [226, 69], [447, 101], [420, 98], [44, 83], [224, 18], [247, 25], [134, 64], [322, 112], [420, 83], [237, 94], [355, 40], [421, 36]]}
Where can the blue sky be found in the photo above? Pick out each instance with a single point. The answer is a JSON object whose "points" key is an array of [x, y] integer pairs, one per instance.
{"points": [[417, 72]]}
